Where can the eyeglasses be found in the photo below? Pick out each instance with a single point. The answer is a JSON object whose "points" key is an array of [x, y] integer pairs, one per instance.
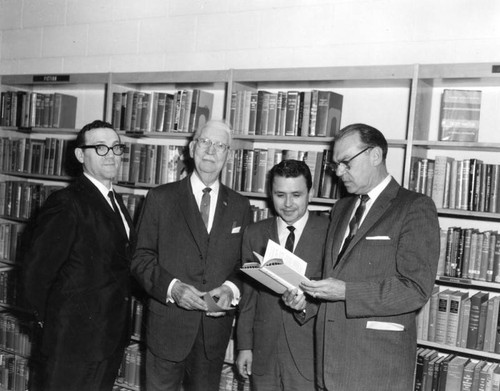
{"points": [[102, 150], [205, 143], [345, 163]]}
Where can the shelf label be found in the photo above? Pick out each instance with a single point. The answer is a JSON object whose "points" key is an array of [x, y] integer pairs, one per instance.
{"points": [[50, 78], [495, 69]]}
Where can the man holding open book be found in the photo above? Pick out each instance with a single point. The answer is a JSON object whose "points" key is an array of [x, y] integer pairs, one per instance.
{"points": [[381, 257], [273, 347]]}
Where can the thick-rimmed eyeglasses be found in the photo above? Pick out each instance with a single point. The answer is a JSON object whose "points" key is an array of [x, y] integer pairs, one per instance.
{"points": [[102, 150], [205, 143], [344, 164]]}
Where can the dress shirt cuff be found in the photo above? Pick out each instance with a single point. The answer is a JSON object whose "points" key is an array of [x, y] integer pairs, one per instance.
{"points": [[236, 292], [170, 299]]}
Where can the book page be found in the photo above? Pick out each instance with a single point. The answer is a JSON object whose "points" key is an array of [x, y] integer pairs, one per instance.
{"points": [[275, 251]]}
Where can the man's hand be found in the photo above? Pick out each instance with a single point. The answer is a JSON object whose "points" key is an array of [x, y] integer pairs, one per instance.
{"points": [[244, 363], [188, 297], [330, 289], [294, 299], [224, 297]]}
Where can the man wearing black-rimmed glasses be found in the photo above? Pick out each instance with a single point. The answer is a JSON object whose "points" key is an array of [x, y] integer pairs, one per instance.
{"points": [[381, 256], [76, 272], [189, 244]]}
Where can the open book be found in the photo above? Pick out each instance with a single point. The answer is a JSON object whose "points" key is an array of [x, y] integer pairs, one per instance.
{"points": [[279, 269]]}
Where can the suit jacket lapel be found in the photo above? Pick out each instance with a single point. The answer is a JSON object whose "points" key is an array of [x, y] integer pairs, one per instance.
{"points": [[382, 203], [192, 216]]}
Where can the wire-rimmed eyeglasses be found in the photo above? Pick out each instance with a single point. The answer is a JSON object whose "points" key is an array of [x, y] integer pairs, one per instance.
{"points": [[205, 143], [102, 150]]}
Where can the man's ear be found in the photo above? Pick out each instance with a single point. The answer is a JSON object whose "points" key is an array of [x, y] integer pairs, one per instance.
{"points": [[376, 156], [191, 149], [79, 154]]}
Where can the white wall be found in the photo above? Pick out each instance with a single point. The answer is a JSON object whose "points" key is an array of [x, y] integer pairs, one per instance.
{"points": [[52, 36]]}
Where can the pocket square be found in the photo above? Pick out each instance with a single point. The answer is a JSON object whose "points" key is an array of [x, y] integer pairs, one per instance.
{"points": [[378, 238], [387, 326], [236, 230]]}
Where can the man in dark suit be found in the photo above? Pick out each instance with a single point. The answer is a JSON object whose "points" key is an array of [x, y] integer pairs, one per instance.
{"points": [[273, 346], [76, 273], [380, 266], [189, 243]]}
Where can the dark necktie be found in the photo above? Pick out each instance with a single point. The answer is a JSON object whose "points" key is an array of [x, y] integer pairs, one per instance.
{"points": [[290, 240], [354, 223], [111, 196], [205, 205]]}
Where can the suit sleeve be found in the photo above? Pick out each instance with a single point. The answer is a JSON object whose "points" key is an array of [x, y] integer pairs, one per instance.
{"points": [[416, 256], [49, 247], [248, 303], [145, 266]]}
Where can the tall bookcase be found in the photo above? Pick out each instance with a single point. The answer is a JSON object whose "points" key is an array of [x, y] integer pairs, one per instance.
{"points": [[403, 101]]}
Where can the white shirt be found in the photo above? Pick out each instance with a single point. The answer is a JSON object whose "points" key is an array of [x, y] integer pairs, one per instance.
{"points": [[299, 226], [198, 186], [104, 191], [373, 194]]}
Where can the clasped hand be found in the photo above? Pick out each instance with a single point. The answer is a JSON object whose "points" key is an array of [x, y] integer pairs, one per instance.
{"points": [[188, 297]]}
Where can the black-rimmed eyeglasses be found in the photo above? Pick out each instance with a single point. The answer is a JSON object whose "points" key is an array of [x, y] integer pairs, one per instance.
{"points": [[344, 164], [102, 150]]}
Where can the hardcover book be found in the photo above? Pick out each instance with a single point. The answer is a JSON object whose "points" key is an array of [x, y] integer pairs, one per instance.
{"points": [[460, 112], [279, 269]]}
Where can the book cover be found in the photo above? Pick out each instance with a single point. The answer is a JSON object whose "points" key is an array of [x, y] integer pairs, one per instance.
{"points": [[455, 373], [491, 324], [329, 113], [279, 269], [441, 165], [456, 302], [433, 310], [64, 114], [463, 323], [483, 312], [475, 310], [460, 113]]}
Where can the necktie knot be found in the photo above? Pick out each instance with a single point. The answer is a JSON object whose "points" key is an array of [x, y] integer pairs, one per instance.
{"points": [[291, 228], [364, 198], [207, 190]]}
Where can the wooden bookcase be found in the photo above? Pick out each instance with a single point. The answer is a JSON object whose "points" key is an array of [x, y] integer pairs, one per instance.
{"points": [[403, 101]]}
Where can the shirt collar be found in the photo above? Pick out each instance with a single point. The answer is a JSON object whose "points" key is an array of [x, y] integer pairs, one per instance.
{"points": [[198, 185], [299, 224], [103, 189], [377, 190]]}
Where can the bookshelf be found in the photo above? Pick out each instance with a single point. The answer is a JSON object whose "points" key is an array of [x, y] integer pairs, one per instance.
{"points": [[403, 101], [465, 272]]}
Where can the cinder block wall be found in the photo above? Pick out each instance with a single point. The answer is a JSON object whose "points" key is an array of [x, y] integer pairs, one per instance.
{"points": [[42, 36]]}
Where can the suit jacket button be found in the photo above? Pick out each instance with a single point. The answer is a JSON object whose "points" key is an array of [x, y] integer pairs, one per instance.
{"points": [[204, 281]]}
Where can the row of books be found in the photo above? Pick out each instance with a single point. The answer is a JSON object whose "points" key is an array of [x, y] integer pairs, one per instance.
{"points": [[33, 156], [468, 184], [460, 114], [21, 199], [182, 111], [450, 372], [16, 334], [131, 371], [14, 372], [10, 237], [469, 253], [247, 170], [230, 381], [452, 317], [151, 164], [286, 113], [9, 284], [26, 109]]}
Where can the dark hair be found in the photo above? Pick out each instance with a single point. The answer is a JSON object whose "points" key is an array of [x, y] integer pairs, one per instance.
{"points": [[291, 169], [97, 124], [368, 135]]}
